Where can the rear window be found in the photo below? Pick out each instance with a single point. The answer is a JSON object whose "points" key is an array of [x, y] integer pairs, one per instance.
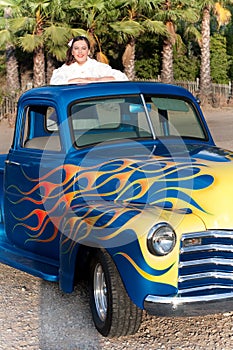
{"points": [[175, 117], [134, 117], [108, 120]]}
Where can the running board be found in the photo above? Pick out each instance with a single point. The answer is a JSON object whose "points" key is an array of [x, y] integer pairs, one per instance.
{"points": [[28, 262]]}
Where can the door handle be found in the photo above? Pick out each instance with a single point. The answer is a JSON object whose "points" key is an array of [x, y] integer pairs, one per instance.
{"points": [[10, 162]]}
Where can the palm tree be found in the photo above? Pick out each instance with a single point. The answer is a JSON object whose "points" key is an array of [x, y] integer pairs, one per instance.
{"points": [[93, 17], [37, 24], [171, 12], [136, 18], [28, 25], [7, 40], [99, 18], [129, 31], [205, 76], [222, 16], [48, 30], [57, 32]]}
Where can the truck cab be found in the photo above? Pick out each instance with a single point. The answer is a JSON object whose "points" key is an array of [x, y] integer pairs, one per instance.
{"points": [[121, 183]]}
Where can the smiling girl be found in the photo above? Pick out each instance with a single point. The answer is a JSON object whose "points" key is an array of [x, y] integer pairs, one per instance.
{"points": [[80, 68]]}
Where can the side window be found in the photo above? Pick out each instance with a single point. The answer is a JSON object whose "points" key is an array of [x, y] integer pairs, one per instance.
{"points": [[51, 119], [40, 128]]}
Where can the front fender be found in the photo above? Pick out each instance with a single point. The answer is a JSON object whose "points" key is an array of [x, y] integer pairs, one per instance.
{"points": [[122, 229], [96, 225], [143, 273], [67, 265]]}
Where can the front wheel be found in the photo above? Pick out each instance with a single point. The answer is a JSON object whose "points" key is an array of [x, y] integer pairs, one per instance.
{"points": [[114, 314]]}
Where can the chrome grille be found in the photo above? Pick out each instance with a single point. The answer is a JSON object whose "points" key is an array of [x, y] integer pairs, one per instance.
{"points": [[206, 263]]}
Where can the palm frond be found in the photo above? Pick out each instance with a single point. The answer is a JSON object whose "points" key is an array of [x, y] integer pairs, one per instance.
{"points": [[10, 3], [189, 15], [156, 27], [5, 37], [131, 28], [30, 42], [78, 31], [88, 4], [22, 23], [57, 35], [223, 15], [59, 52], [193, 33], [3, 23]]}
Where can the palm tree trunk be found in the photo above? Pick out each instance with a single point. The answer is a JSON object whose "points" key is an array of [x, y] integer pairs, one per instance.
{"points": [[205, 77], [167, 62], [128, 59], [50, 68], [167, 74], [12, 73], [38, 67]]}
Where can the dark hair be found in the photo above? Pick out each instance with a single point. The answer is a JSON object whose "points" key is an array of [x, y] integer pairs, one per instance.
{"points": [[69, 57]]}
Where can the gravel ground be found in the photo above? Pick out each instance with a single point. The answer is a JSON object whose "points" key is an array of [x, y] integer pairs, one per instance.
{"points": [[35, 315]]}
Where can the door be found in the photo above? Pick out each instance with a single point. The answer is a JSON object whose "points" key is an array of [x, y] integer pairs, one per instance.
{"points": [[32, 182]]}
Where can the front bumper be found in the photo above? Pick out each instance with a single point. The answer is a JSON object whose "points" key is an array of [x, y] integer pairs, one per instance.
{"points": [[189, 306]]}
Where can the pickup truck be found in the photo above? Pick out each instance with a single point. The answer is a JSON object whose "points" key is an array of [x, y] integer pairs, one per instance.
{"points": [[120, 183]]}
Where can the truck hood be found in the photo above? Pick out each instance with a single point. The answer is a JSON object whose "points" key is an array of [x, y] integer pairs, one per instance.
{"points": [[215, 198], [197, 181]]}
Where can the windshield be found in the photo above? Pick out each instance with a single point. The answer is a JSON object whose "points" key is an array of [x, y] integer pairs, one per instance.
{"points": [[133, 117]]}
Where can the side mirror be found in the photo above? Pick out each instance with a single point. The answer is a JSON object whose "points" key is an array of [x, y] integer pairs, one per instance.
{"points": [[137, 108]]}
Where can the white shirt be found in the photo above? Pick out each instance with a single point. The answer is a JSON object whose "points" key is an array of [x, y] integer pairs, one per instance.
{"points": [[90, 69]]}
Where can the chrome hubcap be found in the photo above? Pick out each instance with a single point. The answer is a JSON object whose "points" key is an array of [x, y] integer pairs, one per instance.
{"points": [[100, 292]]}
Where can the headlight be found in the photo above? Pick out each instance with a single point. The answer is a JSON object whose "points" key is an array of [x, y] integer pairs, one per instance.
{"points": [[161, 239]]}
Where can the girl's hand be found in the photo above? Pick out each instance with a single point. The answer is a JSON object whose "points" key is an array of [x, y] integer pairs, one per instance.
{"points": [[89, 80]]}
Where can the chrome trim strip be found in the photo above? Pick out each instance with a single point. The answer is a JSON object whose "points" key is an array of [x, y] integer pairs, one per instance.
{"points": [[188, 306], [178, 300], [209, 233], [198, 276], [148, 117], [215, 261], [207, 247], [210, 287], [216, 297]]}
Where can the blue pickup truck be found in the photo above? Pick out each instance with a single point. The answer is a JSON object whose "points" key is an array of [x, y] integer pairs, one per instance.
{"points": [[120, 183]]}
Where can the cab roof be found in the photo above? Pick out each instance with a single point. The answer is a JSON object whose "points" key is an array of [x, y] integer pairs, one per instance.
{"points": [[68, 93]]}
